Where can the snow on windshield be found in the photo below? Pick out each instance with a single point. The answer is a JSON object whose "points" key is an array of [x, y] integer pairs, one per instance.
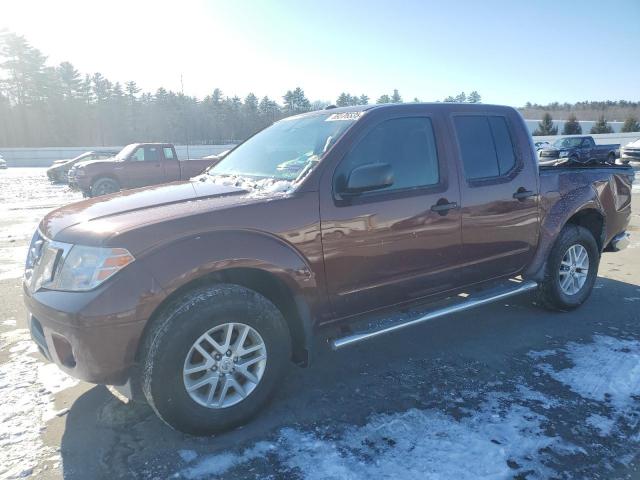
{"points": [[255, 187]]}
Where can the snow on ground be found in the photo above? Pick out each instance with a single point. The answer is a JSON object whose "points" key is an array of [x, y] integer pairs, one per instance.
{"points": [[416, 444], [25, 197], [27, 386], [505, 437], [607, 370]]}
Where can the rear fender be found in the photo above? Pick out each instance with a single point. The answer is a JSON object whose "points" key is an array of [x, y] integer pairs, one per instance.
{"points": [[555, 212]]}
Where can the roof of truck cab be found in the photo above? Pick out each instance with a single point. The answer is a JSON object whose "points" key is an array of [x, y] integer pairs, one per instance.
{"points": [[410, 105]]}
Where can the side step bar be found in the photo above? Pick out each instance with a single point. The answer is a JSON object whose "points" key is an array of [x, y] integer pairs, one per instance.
{"points": [[461, 306]]}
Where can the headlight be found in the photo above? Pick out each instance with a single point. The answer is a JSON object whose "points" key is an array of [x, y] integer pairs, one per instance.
{"points": [[62, 266], [564, 154], [84, 268]]}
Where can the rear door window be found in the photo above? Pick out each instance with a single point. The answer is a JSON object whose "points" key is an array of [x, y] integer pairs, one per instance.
{"points": [[151, 154], [485, 145]]}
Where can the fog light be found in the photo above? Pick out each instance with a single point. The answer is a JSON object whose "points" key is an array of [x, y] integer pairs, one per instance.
{"points": [[63, 350]]}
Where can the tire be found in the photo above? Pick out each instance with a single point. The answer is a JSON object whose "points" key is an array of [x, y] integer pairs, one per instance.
{"points": [[104, 186], [553, 292], [168, 349], [611, 159]]}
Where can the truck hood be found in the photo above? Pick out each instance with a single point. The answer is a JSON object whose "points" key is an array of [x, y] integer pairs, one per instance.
{"points": [[154, 202], [92, 163]]}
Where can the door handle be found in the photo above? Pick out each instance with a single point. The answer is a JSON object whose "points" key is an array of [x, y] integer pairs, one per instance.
{"points": [[523, 194], [443, 206]]}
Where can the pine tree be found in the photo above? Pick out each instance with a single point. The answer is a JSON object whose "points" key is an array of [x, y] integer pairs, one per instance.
{"points": [[631, 124], [343, 100], [69, 79], [396, 98], [572, 126], [461, 97], [474, 97], [384, 99], [363, 100], [449, 99], [546, 126], [601, 126], [296, 102]]}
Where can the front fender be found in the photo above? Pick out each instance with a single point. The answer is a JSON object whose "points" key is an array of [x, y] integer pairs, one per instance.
{"points": [[186, 260]]}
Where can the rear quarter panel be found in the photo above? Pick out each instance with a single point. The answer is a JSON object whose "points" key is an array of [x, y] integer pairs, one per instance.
{"points": [[567, 191]]}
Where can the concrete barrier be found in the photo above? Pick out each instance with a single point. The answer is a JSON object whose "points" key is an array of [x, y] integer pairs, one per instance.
{"points": [[600, 138], [44, 157]]}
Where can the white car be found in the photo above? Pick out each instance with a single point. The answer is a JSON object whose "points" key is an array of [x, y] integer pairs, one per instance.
{"points": [[630, 152], [3, 163]]}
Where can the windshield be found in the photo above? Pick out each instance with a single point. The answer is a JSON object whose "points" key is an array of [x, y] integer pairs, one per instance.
{"points": [[126, 151], [567, 142], [80, 157], [286, 149]]}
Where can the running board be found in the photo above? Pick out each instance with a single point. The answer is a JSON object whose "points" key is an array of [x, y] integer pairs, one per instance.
{"points": [[466, 304]]}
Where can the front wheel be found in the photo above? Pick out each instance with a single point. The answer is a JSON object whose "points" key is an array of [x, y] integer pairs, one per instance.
{"points": [[611, 159], [213, 358], [104, 186], [571, 269]]}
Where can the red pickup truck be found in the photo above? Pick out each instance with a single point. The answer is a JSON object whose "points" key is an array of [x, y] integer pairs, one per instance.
{"points": [[136, 165], [347, 223]]}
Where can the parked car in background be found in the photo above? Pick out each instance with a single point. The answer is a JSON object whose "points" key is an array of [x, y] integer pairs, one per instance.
{"points": [[136, 165], [196, 295], [581, 149], [3, 163], [58, 173], [630, 152], [540, 145]]}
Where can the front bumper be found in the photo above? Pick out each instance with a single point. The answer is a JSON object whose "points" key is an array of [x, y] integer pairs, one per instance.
{"points": [[94, 335], [630, 154], [549, 155]]}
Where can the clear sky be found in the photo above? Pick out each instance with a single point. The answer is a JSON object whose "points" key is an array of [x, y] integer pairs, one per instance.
{"points": [[511, 51]]}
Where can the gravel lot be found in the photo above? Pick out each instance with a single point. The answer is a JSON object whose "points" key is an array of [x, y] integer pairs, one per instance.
{"points": [[506, 391]]}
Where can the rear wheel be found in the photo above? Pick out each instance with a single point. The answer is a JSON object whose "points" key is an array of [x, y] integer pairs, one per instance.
{"points": [[213, 358], [611, 159], [571, 269], [104, 186]]}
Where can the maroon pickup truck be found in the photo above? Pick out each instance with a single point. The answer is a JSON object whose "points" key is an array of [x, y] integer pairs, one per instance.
{"points": [[136, 165], [348, 223]]}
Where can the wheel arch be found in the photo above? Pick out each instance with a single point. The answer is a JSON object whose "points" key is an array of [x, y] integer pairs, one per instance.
{"points": [[593, 220], [293, 307], [104, 176], [582, 208]]}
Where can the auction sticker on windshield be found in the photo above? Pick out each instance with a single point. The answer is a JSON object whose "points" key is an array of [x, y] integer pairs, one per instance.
{"points": [[344, 116]]}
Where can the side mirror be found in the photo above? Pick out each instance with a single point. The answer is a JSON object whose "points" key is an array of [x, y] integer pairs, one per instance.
{"points": [[365, 178]]}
